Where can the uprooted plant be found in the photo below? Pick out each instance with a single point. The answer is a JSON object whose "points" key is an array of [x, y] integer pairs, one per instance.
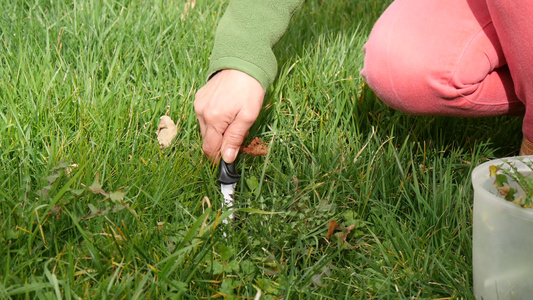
{"points": [[513, 185]]}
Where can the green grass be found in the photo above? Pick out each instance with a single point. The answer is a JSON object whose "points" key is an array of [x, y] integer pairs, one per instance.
{"points": [[85, 82]]}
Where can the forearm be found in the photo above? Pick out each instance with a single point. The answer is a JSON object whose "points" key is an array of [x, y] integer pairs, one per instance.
{"points": [[246, 35]]}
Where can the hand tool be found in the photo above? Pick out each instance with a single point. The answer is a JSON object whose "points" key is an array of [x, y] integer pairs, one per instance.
{"points": [[228, 181]]}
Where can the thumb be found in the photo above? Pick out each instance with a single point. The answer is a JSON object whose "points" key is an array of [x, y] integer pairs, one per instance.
{"points": [[233, 139]]}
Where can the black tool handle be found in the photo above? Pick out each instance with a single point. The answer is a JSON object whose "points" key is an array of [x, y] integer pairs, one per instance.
{"points": [[227, 174]]}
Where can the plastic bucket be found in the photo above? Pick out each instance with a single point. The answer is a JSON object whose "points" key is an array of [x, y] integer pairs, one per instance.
{"points": [[502, 238]]}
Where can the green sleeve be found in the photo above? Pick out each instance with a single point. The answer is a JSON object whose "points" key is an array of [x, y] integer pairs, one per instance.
{"points": [[246, 35]]}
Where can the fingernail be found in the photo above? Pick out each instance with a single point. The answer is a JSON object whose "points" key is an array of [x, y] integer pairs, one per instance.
{"points": [[229, 155]]}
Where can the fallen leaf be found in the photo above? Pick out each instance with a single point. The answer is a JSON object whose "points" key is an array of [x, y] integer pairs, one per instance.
{"points": [[96, 187], [256, 148], [331, 228], [166, 132], [117, 196], [344, 234]]}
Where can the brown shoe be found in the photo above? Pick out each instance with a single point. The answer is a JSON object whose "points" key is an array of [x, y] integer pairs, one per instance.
{"points": [[526, 148]]}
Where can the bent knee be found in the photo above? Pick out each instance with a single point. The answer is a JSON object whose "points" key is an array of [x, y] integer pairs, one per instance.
{"points": [[413, 69], [408, 85]]}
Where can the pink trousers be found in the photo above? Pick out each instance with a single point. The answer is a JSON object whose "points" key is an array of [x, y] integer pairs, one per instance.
{"points": [[469, 58]]}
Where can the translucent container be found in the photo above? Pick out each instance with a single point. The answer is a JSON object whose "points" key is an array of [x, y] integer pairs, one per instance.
{"points": [[502, 239]]}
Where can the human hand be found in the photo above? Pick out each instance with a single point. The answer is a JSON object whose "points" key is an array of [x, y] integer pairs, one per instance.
{"points": [[227, 106]]}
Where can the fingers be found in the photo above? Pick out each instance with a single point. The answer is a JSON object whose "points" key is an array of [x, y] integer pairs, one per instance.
{"points": [[227, 106], [212, 144], [236, 133], [213, 124], [212, 131]]}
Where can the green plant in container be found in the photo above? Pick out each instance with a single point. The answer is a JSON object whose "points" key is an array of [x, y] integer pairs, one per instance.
{"points": [[506, 180], [502, 226]]}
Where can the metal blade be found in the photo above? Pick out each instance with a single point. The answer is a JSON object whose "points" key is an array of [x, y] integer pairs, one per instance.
{"points": [[228, 190], [228, 180]]}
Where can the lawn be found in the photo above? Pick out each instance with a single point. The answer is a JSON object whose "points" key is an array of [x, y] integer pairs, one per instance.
{"points": [[92, 208]]}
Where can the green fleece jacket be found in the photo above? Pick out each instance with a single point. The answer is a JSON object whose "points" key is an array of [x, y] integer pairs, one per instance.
{"points": [[246, 35]]}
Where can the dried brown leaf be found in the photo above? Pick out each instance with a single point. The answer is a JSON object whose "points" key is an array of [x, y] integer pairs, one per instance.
{"points": [[331, 228], [166, 132], [256, 148], [345, 232]]}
